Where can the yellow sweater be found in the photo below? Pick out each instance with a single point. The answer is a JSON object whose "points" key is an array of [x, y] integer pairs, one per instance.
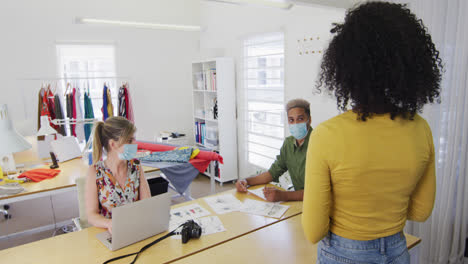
{"points": [[363, 180]]}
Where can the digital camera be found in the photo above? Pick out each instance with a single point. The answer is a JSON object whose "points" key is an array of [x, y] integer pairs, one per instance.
{"points": [[190, 229]]}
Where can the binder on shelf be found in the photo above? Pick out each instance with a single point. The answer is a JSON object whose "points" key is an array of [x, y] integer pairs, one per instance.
{"points": [[203, 133]]}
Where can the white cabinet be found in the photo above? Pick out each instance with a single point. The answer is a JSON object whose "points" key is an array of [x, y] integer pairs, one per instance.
{"points": [[214, 114]]}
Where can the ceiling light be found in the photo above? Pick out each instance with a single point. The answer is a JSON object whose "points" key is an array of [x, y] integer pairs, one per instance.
{"points": [[271, 3], [138, 24]]}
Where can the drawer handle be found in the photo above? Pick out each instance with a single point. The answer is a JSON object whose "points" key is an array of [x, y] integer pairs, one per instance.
{"points": [[4, 211]]}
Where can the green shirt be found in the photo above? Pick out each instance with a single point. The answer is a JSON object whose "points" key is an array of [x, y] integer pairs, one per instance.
{"points": [[292, 158]]}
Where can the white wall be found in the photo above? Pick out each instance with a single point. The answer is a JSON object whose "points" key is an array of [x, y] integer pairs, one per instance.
{"points": [[227, 25], [158, 62]]}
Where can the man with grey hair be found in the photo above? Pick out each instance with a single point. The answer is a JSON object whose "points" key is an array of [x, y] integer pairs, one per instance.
{"points": [[292, 156]]}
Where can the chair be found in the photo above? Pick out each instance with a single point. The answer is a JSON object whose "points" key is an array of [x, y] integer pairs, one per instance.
{"points": [[81, 222]]}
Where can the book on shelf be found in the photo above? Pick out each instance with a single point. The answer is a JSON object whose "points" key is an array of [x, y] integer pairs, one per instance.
{"points": [[203, 133], [200, 132], [210, 79]]}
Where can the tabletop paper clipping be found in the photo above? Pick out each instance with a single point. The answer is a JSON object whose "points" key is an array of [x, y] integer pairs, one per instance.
{"points": [[274, 210], [196, 212], [222, 204]]}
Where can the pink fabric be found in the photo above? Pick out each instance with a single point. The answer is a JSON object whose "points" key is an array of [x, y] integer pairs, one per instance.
{"points": [[200, 162], [130, 116]]}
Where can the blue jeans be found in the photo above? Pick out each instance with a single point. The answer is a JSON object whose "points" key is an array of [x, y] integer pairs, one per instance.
{"points": [[334, 249]]}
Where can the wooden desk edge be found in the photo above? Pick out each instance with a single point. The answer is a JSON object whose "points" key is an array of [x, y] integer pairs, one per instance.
{"points": [[241, 235], [415, 243]]}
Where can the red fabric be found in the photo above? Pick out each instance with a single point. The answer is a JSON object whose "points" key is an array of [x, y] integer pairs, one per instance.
{"points": [[200, 162], [51, 106], [154, 147], [200, 165], [38, 175], [45, 107]]}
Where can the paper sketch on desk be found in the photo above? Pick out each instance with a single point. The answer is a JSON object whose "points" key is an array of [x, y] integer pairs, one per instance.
{"points": [[182, 214], [222, 204], [190, 211], [209, 224], [274, 210], [259, 193]]}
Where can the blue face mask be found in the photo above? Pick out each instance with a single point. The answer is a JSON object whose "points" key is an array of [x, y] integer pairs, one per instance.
{"points": [[298, 131], [130, 151]]}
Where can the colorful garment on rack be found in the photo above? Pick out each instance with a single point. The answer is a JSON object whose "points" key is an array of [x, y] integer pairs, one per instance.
{"points": [[39, 110], [89, 113], [79, 127], [59, 114], [105, 114], [73, 110], [51, 106], [110, 193], [110, 106], [123, 102], [130, 115], [69, 101]]}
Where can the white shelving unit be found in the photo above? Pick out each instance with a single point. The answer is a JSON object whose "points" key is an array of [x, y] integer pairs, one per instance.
{"points": [[214, 85]]}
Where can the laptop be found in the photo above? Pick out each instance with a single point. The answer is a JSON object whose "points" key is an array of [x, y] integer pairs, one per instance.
{"points": [[137, 221]]}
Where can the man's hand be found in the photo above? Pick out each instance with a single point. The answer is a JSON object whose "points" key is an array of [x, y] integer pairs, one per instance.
{"points": [[273, 195], [241, 186]]}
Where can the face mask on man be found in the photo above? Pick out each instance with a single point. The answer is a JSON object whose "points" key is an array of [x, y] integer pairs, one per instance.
{"points": [[298, 131], [130, 151]]}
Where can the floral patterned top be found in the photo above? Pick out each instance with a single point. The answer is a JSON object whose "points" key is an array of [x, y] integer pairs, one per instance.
{"points": [[110, 193]]}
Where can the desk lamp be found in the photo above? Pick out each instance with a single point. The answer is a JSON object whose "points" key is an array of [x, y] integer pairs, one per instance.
{"points": [[45, 130], [10, 140]]}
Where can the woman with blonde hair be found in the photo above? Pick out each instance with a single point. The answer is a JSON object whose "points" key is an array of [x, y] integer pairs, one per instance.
{"points": [[118, 179]]}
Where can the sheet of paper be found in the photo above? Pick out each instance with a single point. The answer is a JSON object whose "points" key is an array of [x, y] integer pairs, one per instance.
{"points": [[209, 224], [274, 210], [182, 214], [258, 192], [222, 204]]}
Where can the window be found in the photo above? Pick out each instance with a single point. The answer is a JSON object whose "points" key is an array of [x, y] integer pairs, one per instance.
{"points": [[87, 66], [263, 70]]}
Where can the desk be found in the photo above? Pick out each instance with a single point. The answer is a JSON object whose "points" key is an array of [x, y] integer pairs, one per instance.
{"points": [[83, 247], [283, 242], [69, 172]]}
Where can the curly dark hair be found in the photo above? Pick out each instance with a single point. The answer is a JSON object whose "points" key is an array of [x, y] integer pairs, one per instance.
{"points": [[381, 60]]}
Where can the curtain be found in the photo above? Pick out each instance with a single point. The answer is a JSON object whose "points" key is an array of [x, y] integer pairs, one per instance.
{"points": [[444, 233]]}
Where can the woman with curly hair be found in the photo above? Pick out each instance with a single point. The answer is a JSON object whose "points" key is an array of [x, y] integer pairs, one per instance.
{"points": [[372, 168]]}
